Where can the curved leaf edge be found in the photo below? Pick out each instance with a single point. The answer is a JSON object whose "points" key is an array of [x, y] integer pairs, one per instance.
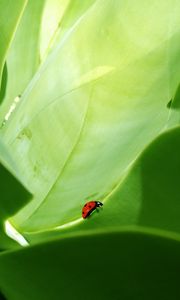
{"points": [[134, 229], [75, 222]]}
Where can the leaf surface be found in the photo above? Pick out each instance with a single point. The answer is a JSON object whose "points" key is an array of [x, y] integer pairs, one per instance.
{"points": [[8, 25], [147, 197], [24, 55], [13, 195], [113, 265], [105, 99]]}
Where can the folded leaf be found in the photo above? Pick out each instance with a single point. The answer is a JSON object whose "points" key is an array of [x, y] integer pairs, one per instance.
{"points": [[13, 195], [98, 99], [148, 196], [10, 14], [114, 265], [3, 83], [23, 56]]}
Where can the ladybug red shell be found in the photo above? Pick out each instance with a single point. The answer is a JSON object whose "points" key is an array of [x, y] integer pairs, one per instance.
{"points": [[89, 207]]}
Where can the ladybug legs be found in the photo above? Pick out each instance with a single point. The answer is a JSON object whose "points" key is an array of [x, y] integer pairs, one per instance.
{"points": [[98, 205]]}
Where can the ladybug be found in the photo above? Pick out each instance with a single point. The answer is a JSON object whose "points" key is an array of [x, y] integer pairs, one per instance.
{"points": [[89, 207]]}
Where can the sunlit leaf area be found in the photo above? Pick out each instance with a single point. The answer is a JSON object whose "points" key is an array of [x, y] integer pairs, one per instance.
{"points": [[89, 149]]}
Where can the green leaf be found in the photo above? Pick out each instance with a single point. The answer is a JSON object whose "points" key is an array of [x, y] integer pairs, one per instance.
{"points": [[58, 18], [3, 83], [174, 106], [115, 265], [92, 99], [53, 13], [105, 99], [10, 14], [13, 195], [24, 55], [41, 23], [148, 196], [2, 297]]}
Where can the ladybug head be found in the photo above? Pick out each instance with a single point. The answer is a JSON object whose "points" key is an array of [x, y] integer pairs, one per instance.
{"points": [[99, 204]]}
